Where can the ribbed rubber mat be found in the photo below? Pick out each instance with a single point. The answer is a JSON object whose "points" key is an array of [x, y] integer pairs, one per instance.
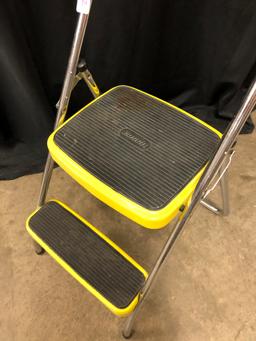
{"points": [[137, 145], [90, 256]]}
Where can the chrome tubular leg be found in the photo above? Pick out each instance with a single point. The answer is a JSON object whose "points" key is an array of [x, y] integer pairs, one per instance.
{"points": [[212, 168], [224, 211], [128, 329], [224, 194], [46, 180], [63, 104]]}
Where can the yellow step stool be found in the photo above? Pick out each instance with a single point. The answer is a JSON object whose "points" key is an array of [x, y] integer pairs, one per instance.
{"points": [[144, 157]]}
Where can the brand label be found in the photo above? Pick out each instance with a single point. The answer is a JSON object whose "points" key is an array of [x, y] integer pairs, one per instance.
{"points": [[135, 138]]}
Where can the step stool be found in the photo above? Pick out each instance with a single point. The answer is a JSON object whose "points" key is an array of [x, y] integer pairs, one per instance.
{"points": [[142, 156]]}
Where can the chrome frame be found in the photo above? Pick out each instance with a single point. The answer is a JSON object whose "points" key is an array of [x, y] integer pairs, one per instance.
{"points": [[69, 83], [65, 97], [211, 170]]}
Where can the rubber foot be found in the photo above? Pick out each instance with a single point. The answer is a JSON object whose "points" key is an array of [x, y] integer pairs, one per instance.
{"points": [[129, 336], [40, 252]]}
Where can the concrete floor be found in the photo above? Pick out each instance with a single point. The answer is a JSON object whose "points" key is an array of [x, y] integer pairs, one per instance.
{"points": [[207, 290]]}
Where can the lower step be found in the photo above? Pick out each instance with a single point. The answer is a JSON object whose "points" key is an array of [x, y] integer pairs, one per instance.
{"points": [[89, 256]]}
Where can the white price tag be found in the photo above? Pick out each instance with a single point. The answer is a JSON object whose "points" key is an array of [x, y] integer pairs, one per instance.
{"points": [[83, 6]]}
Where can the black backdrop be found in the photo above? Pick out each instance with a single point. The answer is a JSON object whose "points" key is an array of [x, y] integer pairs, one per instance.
{"points": [[201, 55]]}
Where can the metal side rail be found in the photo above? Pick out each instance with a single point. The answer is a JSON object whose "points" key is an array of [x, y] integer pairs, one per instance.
{"points": [[212, 168]]}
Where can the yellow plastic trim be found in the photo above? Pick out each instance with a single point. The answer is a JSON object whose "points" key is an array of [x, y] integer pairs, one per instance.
{"points": [[117, 311], [150, 219]]}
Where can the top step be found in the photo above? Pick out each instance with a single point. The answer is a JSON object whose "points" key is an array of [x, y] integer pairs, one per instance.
{"points": [[138, 154]]}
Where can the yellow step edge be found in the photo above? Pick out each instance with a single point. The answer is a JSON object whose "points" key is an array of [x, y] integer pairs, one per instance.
{"points": [[154, 219], [117, 311]]}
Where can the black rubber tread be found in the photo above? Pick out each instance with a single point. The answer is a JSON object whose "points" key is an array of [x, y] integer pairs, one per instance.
{"points": [[138, 146], [89, 255]]}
